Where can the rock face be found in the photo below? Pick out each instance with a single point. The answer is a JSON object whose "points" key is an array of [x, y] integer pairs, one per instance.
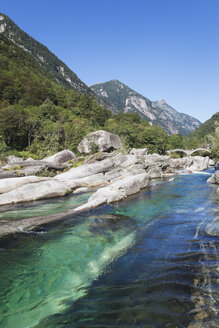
{"points": [[123, 98], [214, 178], [99, 141]]}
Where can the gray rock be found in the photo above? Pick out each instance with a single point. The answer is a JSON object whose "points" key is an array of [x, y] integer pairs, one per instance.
{"points": [[9, 184], [99, 141], [34, 191], [214, 178], [139, 152], [211, 162], [182, 163], [31, 167], [116, 191], [61, 157], [199, 163], [155, 171], [14, 159]]}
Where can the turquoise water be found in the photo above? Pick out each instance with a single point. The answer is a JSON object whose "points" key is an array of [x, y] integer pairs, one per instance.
{"points": [[42, 207], [143, 262]]}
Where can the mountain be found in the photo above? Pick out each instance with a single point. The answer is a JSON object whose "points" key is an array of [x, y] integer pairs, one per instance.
{"points": [[207, 128], [36, 111], [122, 98], [45, 58]]}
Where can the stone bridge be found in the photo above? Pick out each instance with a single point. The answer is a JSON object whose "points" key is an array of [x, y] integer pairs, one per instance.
{"points": [[189, 152]]}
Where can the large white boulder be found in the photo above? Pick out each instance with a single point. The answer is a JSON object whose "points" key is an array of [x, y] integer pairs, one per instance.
{"points": [[199, 163], [99, 141]]}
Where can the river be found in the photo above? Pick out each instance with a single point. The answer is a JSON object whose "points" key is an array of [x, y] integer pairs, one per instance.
{"points": [[147, 261]]}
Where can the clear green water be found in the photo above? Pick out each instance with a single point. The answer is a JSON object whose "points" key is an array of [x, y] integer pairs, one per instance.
{"points": [[130, 264], [43, 207]]}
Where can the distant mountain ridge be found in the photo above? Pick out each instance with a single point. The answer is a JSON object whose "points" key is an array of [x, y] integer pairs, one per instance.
{"points": [[207, 128], [122, 98], [60, 72]]}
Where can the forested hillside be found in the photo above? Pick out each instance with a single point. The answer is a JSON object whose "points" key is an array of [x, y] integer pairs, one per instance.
{"points": [[38, 112], [38, 116], [206, 135], [45, 58]]}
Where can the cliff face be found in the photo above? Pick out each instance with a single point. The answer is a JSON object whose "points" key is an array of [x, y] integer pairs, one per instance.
{"points": [[122, 98]]}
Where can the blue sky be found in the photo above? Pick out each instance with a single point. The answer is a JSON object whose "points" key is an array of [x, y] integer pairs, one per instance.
{"points": [[164, 49]]}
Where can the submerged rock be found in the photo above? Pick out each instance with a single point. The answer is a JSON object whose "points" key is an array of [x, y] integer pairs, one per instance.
{"points": [[99, 141], [212, 229]]}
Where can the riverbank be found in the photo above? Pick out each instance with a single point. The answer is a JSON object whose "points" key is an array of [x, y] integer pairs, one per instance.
{"points": [[109, 177]]}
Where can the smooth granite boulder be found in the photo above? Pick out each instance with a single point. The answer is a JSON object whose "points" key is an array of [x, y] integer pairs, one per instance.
{"points": [[199, 163], [116, 191], [9, 184], [34, 191], [99, 141], [61, 157]]}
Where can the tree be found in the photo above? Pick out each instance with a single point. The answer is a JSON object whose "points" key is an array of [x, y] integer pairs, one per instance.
{"points": [[14, 127]]}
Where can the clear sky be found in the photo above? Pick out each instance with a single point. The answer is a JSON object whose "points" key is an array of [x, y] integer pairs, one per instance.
{"points": [[164, 49]]}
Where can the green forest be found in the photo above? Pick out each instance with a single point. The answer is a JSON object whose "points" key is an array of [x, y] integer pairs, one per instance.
{"points": [[39, 117]]}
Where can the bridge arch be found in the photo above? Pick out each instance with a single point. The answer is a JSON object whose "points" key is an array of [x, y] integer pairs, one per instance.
{"points": [[200, 149], [188, 152]]}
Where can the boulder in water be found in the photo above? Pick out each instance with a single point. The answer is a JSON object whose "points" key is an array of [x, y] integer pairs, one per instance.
{"points": [[214, 178], [200, 163]]}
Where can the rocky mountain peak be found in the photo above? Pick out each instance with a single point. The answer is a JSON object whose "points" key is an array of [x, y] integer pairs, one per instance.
{"points": [[123, 98]]}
